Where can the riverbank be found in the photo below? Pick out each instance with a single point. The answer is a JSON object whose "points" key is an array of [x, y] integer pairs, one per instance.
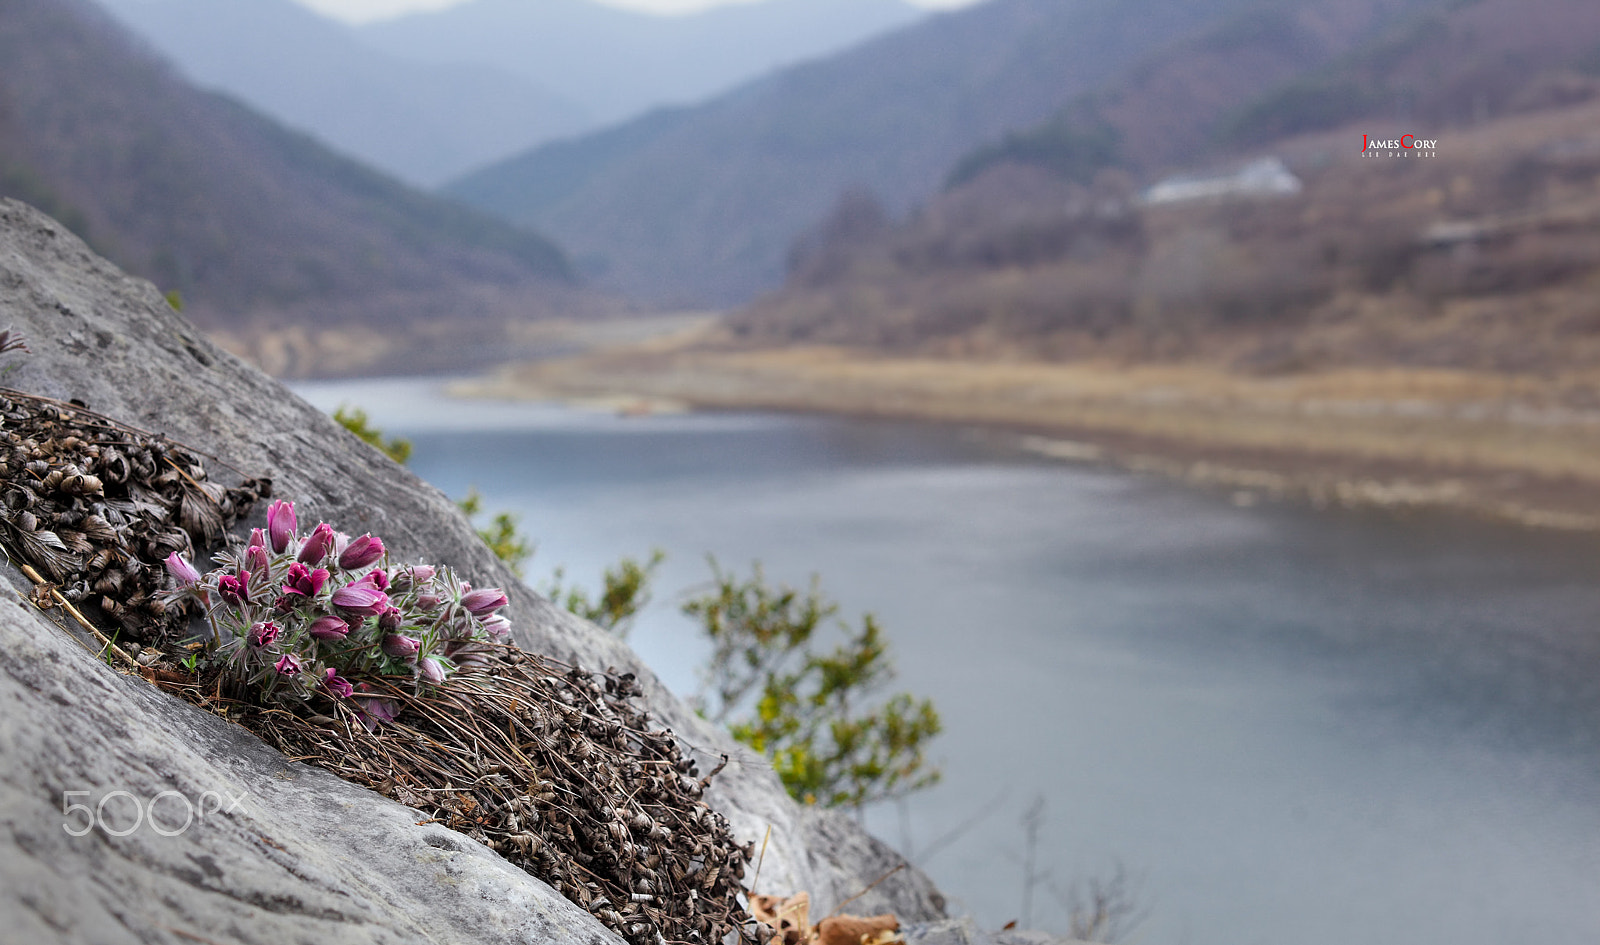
{"points": [[1506, 446]]}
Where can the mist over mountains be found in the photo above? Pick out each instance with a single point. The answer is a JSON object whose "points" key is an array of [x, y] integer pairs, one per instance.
{"points": [[423, 121], [431, 96], [617, 63], [700, 206], [255, 226]]}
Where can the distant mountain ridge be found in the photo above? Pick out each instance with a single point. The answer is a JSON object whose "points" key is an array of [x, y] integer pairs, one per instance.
{"points": [[255, 226], [1480, 255], [425, 122], [1180, 105], [618, 63], [700, 206]]}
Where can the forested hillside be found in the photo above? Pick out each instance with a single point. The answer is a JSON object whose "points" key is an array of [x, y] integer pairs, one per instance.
{"points": [[255, 227]]}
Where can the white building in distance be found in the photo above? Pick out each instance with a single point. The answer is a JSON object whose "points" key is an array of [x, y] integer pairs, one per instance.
{"points": [[1264, 177]]}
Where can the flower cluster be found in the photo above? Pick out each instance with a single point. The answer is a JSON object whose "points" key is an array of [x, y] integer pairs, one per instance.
{"points": [[323, 615]]}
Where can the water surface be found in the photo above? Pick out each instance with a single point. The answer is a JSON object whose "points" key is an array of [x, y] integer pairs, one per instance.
{"points": [[1290, 726]]}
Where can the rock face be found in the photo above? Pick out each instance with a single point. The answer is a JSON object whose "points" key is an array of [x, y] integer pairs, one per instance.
{"points": [[293, 854]]}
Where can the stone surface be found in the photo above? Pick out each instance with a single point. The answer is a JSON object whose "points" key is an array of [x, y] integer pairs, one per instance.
{"points": [[305, 857], [963, 931]]}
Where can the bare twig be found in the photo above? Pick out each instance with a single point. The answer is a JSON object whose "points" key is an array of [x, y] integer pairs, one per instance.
{"points": [[870, 886]]}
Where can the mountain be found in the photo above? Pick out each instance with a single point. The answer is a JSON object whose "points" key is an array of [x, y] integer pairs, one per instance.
{"points": [[1176, 106], [424, 122], [1463, 64], [1478, 253], [257, 227], [618, 63], [700, 206]]}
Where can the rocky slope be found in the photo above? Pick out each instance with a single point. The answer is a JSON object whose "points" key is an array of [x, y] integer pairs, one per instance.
{"points": [[303, 856]]}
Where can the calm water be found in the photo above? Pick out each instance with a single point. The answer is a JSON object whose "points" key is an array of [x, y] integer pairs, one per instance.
{"points": [[1289, 726]]}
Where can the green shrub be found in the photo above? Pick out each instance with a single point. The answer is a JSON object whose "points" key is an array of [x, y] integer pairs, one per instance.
{"points": [[356, 421], [625, 592], [811, 712]]}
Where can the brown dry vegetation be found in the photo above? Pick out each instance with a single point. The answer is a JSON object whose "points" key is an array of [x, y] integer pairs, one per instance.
{"points": [[1496, 444], [1485, 257]]}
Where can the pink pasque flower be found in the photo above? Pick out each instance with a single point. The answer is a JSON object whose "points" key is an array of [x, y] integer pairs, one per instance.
{"points": [[374, 711], [281, 525], [361, 552], [235, 589], [329, 627], [255, 559], [181, 569], [497, 627], [304, 581], [484, 601], [432, 670], [262, 634], [401, 647], [317, 546], [287, 665], [336, 684], [360, 598]]}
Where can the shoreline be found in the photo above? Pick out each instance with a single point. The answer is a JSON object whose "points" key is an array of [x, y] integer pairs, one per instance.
{"points": [[1497, 446]]}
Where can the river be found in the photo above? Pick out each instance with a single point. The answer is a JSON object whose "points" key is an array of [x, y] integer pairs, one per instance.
{"points": [[1287, 725]]}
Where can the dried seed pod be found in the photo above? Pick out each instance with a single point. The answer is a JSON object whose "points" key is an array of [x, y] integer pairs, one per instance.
{"points": [[81, 484], [113, 467], [97, 529], [75, 542]]}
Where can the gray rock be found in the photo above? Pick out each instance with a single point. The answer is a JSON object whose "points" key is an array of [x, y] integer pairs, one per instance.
{"points": [[305, 857], [963, 931]]}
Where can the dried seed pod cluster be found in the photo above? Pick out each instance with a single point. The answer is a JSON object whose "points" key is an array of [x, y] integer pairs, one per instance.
{"points": [[96, 506], [561, 773]]}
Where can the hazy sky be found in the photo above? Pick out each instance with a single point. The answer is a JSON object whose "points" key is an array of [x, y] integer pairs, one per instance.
{"points": [[358, 11]]}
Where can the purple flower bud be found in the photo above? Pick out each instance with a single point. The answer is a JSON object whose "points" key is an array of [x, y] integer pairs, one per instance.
{"points": [[390, 619], [362, 599], [329, 628], [262, 634], [423, 573], [285, 603], [304, 581], [316, 547], [428, 601], [258, 538], [361, 552], [287, 665], [255, 559], [484, 601], [235, 589], [432, 670], [376, 578], [182, 570], [375, 712], [497, 627], [281, 525], [336, 684], [401, 647]]}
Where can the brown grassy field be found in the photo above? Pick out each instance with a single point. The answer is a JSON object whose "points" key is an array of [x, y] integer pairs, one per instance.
{"points": [[1508, 446]]}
